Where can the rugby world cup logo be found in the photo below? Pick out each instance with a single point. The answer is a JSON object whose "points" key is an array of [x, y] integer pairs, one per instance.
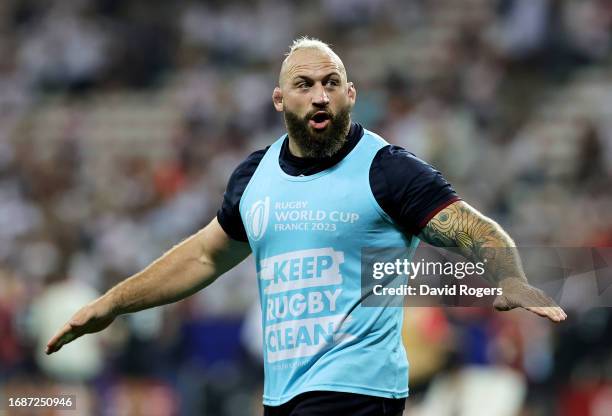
{"points": [[257, 218]]}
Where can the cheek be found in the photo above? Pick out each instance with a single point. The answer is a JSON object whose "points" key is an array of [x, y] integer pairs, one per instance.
{"points": [[296, 106], [340, 102]]}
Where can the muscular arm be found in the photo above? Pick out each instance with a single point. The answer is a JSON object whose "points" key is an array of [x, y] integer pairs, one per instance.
{"points": [[464, 229], [183, 270]]}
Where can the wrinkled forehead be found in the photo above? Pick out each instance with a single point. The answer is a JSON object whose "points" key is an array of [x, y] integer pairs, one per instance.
{"points": [[310, 62]]}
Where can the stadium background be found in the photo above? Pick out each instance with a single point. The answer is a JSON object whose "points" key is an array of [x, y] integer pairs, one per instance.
{"points": [[121, 121]]}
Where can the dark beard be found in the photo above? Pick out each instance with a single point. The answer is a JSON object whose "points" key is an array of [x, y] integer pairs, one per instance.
{"points": [[314, 144]]}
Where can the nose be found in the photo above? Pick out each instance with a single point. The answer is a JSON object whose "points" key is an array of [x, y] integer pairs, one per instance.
{"points": [[320, 97]]}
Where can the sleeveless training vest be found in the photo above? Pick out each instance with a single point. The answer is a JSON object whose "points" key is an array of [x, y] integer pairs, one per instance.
{"points": [[306, 234]]}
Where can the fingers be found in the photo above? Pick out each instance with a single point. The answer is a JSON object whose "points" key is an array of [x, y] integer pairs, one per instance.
{"points": [[559, 314], [85, 321], [67, 334], [531, 299], [548, 308], [554, 313], [64, 336]]}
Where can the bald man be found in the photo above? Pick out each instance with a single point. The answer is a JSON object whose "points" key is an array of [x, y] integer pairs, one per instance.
{"points": [[305, 206]]}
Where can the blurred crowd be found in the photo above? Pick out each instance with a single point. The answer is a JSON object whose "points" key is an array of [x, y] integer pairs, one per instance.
{"points": [[121, 121]]}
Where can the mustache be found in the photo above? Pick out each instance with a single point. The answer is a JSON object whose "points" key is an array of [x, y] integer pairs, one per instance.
{"points": [[311, 113]]}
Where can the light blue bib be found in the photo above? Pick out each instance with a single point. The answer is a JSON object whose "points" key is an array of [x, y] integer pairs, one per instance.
{"points": [[306, 234]]}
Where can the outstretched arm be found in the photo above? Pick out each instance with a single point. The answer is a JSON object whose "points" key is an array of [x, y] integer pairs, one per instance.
{"points": [[185, 269], [477, 237]]}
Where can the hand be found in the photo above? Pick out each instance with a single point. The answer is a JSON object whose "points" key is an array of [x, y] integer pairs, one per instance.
{"points": [[91, 318], [517, 293]]}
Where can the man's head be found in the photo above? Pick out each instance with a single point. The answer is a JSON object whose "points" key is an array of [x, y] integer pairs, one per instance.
{"points": [[316, 98]]}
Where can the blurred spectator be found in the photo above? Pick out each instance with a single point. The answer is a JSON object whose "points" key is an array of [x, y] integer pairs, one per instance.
{"points": [[121, 121]]}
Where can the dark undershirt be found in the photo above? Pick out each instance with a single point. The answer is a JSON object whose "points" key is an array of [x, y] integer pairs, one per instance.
{"points": [[409, 190]]}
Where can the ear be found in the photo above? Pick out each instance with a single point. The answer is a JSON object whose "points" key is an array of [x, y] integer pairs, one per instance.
{"points": [[277, 99], [352, 93]]}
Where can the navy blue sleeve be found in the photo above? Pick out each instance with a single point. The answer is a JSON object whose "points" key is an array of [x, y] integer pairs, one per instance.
{"points": [[229, 213], [408, 189]]}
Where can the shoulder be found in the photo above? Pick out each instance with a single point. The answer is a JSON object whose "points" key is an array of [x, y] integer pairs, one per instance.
{"points": [[244, 171], [395, 159], [229, 213], [373, 139], [407, 188], [250, 163], [242, 176], [389, 153]]}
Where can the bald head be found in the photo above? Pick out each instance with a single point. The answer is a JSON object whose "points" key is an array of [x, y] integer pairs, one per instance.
{"points": [[306, 52]]}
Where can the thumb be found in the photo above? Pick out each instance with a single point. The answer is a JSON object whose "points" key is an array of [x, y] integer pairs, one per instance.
{"points": [[80, 318], [502, 303], [77, 321]]}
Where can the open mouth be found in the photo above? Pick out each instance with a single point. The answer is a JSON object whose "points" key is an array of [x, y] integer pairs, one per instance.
{"points": [[319, 120]]}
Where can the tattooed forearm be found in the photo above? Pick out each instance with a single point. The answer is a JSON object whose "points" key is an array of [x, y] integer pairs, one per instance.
{"points": [[462, 228]]}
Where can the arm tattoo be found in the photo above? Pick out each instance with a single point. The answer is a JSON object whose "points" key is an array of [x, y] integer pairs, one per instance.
{"points": [[462, 228]]}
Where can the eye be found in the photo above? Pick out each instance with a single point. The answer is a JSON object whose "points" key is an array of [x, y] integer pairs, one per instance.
{"points": [[333, 82]]}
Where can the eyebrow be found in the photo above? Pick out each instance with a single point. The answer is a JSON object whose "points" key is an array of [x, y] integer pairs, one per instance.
{"points": [[305, 78]]}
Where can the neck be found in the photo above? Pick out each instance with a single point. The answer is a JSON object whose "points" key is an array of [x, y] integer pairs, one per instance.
{"points": [[294, 148]]}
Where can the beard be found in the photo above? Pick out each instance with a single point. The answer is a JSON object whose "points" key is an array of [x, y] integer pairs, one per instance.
{"points": [[319, 144]]}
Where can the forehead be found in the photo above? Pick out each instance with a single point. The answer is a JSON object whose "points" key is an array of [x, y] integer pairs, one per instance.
{"points": [[311, 63]]}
